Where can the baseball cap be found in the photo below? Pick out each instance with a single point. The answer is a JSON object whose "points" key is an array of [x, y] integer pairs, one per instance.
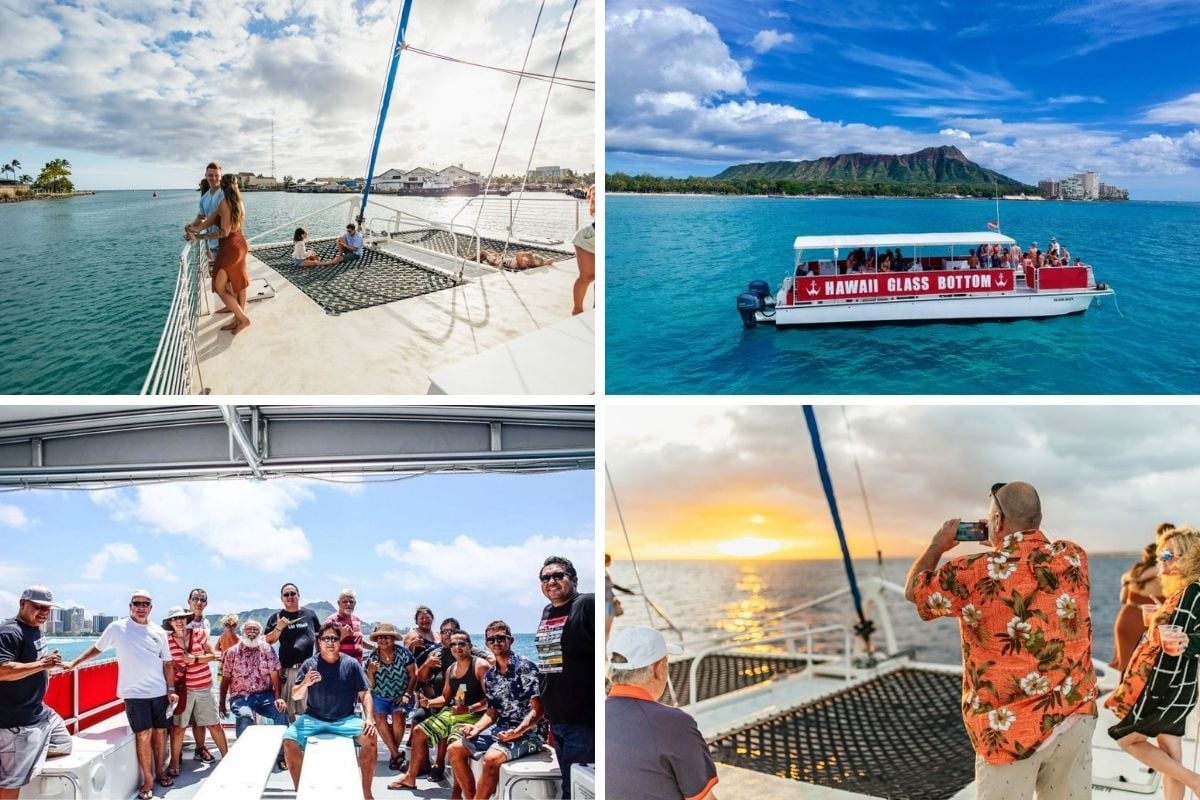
{"points": [[40, 595], [141, 593], [638, 647]]}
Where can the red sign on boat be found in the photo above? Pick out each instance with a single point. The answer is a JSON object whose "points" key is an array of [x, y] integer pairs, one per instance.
{"points": [[901, 284]]}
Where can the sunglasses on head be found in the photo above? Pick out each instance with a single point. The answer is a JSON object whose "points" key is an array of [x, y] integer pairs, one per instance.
{"points": [[1165, 555], [497, 639], [553, 576]]}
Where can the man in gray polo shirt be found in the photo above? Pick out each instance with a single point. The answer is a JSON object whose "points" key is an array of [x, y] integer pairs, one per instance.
{"points": [[650, 750]]}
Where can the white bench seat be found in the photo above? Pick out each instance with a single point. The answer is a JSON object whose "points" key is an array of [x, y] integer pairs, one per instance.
{"points": [[534, 777], [246, 768], [330, 769]]}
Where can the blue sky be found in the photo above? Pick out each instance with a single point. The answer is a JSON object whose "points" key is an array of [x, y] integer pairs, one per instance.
{"points": [[1031, 89], [468, 546], [144, 94]]}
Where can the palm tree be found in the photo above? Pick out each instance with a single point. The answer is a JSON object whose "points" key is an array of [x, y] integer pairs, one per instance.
{"points": [[16, 165], [6, 169], [27, 179]]}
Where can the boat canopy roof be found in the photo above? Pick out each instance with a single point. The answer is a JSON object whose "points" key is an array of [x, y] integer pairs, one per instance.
{"points": [[867, 240]]}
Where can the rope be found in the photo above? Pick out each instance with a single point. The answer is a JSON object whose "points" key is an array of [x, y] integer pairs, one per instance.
{"points": [[637, 571], [862, 488], [573, 83], [500, 145]]}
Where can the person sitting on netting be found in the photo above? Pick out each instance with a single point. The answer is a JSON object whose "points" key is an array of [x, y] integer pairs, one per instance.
{"points": [[301, 255], [524, 259]]}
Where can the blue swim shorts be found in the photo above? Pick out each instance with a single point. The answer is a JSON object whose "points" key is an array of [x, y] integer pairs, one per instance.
{"points": [[306, 726], [527, 745], [385, 705], [349, 255]]}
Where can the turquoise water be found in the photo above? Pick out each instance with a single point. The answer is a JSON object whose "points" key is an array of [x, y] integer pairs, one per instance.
{"points": [[85, 283], [675, 265]]}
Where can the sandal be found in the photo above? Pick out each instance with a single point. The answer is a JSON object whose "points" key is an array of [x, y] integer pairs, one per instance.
{"points": [[173, 772], [145, 794], [165, 781], [394, 763], [282, 764], [399, 784], [202, 754], [437, 773]]}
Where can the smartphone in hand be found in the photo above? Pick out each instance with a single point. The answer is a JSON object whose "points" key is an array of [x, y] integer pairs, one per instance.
{"points": [[971, 532]]}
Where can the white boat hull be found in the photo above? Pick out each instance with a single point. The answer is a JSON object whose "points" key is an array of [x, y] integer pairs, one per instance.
{"points": [[935, 309]]}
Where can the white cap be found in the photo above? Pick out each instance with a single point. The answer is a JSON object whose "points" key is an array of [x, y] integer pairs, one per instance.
{"points": [[141, 593], [639, 647]]}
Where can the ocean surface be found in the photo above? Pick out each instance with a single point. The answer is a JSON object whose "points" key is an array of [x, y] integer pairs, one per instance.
{"points": [[705, 598], [85, 283], [674, 266], [71, 646]]}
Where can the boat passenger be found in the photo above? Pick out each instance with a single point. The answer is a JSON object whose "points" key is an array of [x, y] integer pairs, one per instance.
{"points": [[295, 629], [1015, 253], [210, 197], [1053, 248], [524, 259], [566, 647], [392, 675], [349, 625], [145, 681], [30, 731], [198, 602], [1021, 742], [330, 682], [508, 729], [585, 255], [653, 750], [1140, 586], [349, 246], [301, 255], [462, 702], [192, 654], [973, 261], [250, 682], [230, 275], [1158, 689]]}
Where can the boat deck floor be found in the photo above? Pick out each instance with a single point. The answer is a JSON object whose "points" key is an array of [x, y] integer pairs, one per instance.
{"points": [[293, 346]]}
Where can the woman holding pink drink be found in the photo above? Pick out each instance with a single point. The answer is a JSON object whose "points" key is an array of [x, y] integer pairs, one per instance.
{"points": [[1158, 688]]}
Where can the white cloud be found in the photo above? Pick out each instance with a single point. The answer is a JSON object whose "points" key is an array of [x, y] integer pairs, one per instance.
{"points": [[245, 522], [113, 553], [768, 40], [13, 516], [1184, 111], [510, 571], [1071, 99], [954, 132], [319, 66], [161, 572]]}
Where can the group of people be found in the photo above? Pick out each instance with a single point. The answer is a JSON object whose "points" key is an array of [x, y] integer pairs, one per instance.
{"points": [[996, 257], [1029, 695], [349, 247], [328, 676]]}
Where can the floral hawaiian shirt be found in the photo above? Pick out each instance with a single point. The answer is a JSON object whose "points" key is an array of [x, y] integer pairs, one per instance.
{"points": [[512, 693], [1026, 639], [249, 669]]}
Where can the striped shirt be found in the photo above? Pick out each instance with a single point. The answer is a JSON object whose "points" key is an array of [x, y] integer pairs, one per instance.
{"points": [[199, 676]]}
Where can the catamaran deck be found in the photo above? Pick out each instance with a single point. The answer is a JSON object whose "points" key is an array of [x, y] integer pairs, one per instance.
{"points": [[294, 346]]}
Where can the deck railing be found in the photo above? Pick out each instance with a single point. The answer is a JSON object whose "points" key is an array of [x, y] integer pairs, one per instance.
{"points": [[174, 365]]}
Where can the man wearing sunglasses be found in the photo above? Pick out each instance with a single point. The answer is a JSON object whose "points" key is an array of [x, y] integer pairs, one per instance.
{"points": [[331, 681], [349, 246], [295, 629], [145, 671], [1029, 690], [566, 647], [198, 603], [508, 730]]}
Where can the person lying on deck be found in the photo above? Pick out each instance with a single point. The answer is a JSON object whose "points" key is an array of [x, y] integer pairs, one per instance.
{"points": [[525, 259]]}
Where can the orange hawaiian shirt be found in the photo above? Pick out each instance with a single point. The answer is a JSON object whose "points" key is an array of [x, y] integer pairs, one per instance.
{"points": [[1026, 639]]}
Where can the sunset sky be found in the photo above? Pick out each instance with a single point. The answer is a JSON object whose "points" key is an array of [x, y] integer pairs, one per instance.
{"points": [[719, 481]]}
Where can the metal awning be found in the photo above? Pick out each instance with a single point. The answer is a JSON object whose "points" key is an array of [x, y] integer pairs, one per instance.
{"points": [[867, 240], [49, 445]]}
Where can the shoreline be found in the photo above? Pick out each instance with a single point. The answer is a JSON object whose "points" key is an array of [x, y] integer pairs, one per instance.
{"points": [[6, 197], [872, 197]]}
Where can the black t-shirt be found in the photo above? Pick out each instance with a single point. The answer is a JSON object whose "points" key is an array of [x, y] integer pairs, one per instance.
{"points": [[566, 645], [296, 641], [21, 701]]}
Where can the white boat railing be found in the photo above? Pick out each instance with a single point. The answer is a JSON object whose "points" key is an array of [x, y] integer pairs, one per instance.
{"points": [[175, 364], [478, 204], [789, 639], [349, 202]]}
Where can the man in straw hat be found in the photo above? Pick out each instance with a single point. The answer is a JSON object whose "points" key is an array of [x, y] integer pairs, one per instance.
{"points": [[652, 750], [392, 675], [30, 731], [145, 677]]}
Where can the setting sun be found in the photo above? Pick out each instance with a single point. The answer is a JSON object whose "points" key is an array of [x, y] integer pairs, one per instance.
{"points": [[748, 546]]}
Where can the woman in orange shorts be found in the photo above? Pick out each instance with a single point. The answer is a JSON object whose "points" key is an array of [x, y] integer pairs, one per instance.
{"points": [[229, 272]]}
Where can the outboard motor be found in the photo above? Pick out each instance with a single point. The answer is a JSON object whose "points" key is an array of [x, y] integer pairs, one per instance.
{"points": [[749, 303]]}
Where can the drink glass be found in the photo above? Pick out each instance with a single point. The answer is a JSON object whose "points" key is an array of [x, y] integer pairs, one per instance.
{"points": [[1148, 611], [1173, 639]]}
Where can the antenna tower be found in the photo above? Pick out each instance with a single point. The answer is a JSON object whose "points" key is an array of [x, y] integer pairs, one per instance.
{"points": [[272, 144]]}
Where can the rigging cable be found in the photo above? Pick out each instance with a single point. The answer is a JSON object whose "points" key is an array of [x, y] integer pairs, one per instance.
{"points": [[862, 488], [637, 570], [574, 83]]}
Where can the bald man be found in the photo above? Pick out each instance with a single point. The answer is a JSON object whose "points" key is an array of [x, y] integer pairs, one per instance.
{"points": [[1029, 690]]}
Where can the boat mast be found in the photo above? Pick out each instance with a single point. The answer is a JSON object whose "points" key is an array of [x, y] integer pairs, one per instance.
{"points": [[865, 627], [401, 27]]}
